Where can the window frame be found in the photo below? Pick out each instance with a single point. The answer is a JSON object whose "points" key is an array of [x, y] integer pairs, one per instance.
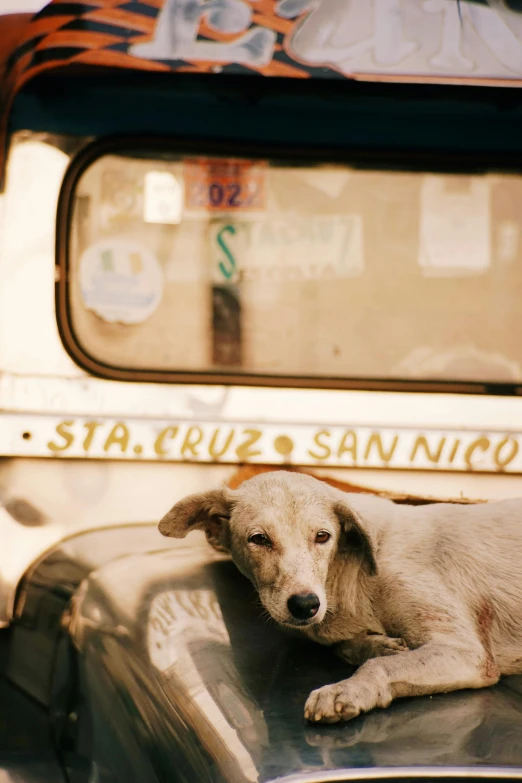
{"points": [[402, 160]]}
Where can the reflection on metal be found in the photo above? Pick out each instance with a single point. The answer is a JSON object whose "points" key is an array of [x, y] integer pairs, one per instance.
{"points": [[179, 622], [21, 545], [175, 621], [408, 773]]}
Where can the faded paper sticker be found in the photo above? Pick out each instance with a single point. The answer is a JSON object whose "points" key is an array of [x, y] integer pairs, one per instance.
{"points": [[454, 226], [121, 281], [162, 198], [311, 247]]}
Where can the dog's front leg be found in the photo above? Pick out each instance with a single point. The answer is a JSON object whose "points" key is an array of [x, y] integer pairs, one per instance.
{"points": [[436, 667]]}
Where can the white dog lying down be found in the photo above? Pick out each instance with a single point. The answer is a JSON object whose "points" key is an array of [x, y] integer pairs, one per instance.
{"points": [[427, 598]]}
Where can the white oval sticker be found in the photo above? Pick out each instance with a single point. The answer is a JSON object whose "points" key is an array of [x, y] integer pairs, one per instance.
{"points": [[121, 281]]}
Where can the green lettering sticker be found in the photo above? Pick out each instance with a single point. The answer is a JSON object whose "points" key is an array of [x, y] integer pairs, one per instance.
{"points": [[226, 270]]}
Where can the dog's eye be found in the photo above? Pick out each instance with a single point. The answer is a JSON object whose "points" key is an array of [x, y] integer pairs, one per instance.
{"points": [[259, 539], [322, 537]]}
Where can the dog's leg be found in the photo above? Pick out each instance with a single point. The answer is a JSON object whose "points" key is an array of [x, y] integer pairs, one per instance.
{"points": [[439, 666], [363, 646]]}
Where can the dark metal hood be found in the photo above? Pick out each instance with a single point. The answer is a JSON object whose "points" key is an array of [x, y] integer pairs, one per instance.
{"points": [[163, 668]]}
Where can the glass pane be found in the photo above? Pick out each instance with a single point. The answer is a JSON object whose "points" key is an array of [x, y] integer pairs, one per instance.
{"points": [[260, 267]]}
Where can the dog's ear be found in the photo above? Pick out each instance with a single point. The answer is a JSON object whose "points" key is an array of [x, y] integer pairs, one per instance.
{"points": [[356, 536], [208, 511]]}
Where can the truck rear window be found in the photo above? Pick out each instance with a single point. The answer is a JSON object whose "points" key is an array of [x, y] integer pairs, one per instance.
{"points": [[234, 267]]}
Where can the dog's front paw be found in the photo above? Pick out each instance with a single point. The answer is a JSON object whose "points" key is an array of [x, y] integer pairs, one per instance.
{"points": [[332, 703], [386, 645], [368, 688]]}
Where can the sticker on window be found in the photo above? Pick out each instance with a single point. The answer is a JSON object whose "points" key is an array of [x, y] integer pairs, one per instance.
{"points": [[121, 281], [224, 185], [315, 247], [454, 226], [120, 198], [162, 198]]}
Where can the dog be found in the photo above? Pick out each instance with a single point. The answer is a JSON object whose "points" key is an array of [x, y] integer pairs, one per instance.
{"points": [[422, 599]]}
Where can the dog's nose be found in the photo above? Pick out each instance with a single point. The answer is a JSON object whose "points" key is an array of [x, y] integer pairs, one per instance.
{"points": [[303, 606]]}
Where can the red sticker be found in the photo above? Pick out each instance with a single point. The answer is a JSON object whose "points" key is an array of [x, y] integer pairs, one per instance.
{"points": [[221, 185]]}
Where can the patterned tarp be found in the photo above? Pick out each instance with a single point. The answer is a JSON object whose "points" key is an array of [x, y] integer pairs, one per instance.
{"points": [[103, 33], [477, 41]]}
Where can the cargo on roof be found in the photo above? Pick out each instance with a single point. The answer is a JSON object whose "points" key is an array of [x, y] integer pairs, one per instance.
{"points": [[436, 41]]}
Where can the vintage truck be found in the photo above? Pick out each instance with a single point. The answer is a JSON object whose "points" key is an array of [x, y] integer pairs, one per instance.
{"points": [[242, 235]]}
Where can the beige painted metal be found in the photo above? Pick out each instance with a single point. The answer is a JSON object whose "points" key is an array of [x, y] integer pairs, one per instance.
{"points": [[40, 387]]}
